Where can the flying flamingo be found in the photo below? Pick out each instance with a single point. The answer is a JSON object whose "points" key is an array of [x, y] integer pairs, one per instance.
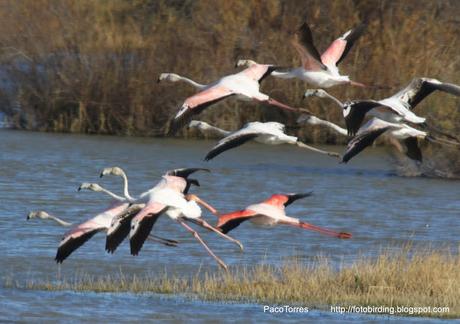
{"points": [[272, 212], [375, 127], [395, 109], [79, 234], [321, 70], [120, 226], [244, 85], [272, 133], [168, 197]]}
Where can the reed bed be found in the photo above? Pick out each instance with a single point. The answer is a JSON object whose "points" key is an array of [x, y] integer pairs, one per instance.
{"points": [[91, 66], [410, 277]]}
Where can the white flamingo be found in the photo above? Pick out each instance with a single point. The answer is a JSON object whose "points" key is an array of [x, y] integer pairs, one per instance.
{"points": [[375, 127], [395, 109], [271, 133]]}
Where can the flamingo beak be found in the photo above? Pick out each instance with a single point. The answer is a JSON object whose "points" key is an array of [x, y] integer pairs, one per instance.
{"points": [[203, 203]]}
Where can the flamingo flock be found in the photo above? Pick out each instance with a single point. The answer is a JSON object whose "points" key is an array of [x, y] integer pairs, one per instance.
{"points": [[133, 218]]}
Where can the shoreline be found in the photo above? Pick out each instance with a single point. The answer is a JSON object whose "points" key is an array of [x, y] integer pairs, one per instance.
{"points": [[413, 280]]}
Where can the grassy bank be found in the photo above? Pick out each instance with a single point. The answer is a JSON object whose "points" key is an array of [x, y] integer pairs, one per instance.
{"points": [[91, 66], [408, 278]]}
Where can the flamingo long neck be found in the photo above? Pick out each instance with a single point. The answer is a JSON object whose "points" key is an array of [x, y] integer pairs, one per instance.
{"points": [[59, 221], [337, 101], [193, 83], [114, 196], [219, 131], [337, 128], [125, 188], [290, 74]]}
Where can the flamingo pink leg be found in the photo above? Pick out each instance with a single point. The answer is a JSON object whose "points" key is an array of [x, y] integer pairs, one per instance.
{"points": [[341, 235], [276, 103], [206, 225], [197, 236]]}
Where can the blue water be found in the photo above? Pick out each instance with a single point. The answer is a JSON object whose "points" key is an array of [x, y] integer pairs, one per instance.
{"points": [[43, 171]]}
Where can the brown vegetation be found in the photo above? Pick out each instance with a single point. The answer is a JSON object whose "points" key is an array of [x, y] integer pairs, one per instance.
{"points": [[91, 66], [412, 278]]}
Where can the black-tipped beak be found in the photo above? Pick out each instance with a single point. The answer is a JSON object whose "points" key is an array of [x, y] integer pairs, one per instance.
{"points": [[28, 217], [294, 197], [101, 175], [158, 80], [79, 188]]}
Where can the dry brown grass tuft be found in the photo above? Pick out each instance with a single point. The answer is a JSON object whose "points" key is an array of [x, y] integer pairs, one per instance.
{"points": [[413, 278]]}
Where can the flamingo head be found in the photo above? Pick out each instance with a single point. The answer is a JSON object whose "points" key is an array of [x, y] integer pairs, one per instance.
{"points": [[38, 214], [245, 63], [309, 119], [315, 93], [117, 171], [168, 77], [90, 186], [200, 125]]}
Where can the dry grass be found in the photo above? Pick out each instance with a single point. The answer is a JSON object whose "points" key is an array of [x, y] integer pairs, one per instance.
{"points": [[91, 66], [407, 278]]}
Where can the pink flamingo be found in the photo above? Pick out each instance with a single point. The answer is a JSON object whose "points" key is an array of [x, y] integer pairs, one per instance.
{"points": [[168, 197], [244, 85], [272, 212], [79, 234], [321, 70]]}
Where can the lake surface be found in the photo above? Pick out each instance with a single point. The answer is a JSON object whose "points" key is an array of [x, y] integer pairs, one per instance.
{"points": [[42, 172]]}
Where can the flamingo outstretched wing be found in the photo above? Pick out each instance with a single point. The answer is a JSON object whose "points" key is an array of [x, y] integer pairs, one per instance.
{"points": [[355, 112], [76, 237], [412, 149], [120, 227], [142, 224], [233, 140], [229, 221], [303, 43], [284, 200], [259, 72], [339, 48], [362, 140], [197, 103], [419, 88]]}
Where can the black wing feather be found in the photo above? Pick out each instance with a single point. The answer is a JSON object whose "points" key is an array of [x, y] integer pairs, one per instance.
{"points": [[360, 142], [72, 244], [145, 227], [358, 111], [117, 236], [231, 224], [351, 39], [305, 38], [237, 141], [412, 149]]}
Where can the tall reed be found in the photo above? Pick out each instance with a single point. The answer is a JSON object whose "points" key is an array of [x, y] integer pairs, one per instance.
{"points": [[91, 66]]}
